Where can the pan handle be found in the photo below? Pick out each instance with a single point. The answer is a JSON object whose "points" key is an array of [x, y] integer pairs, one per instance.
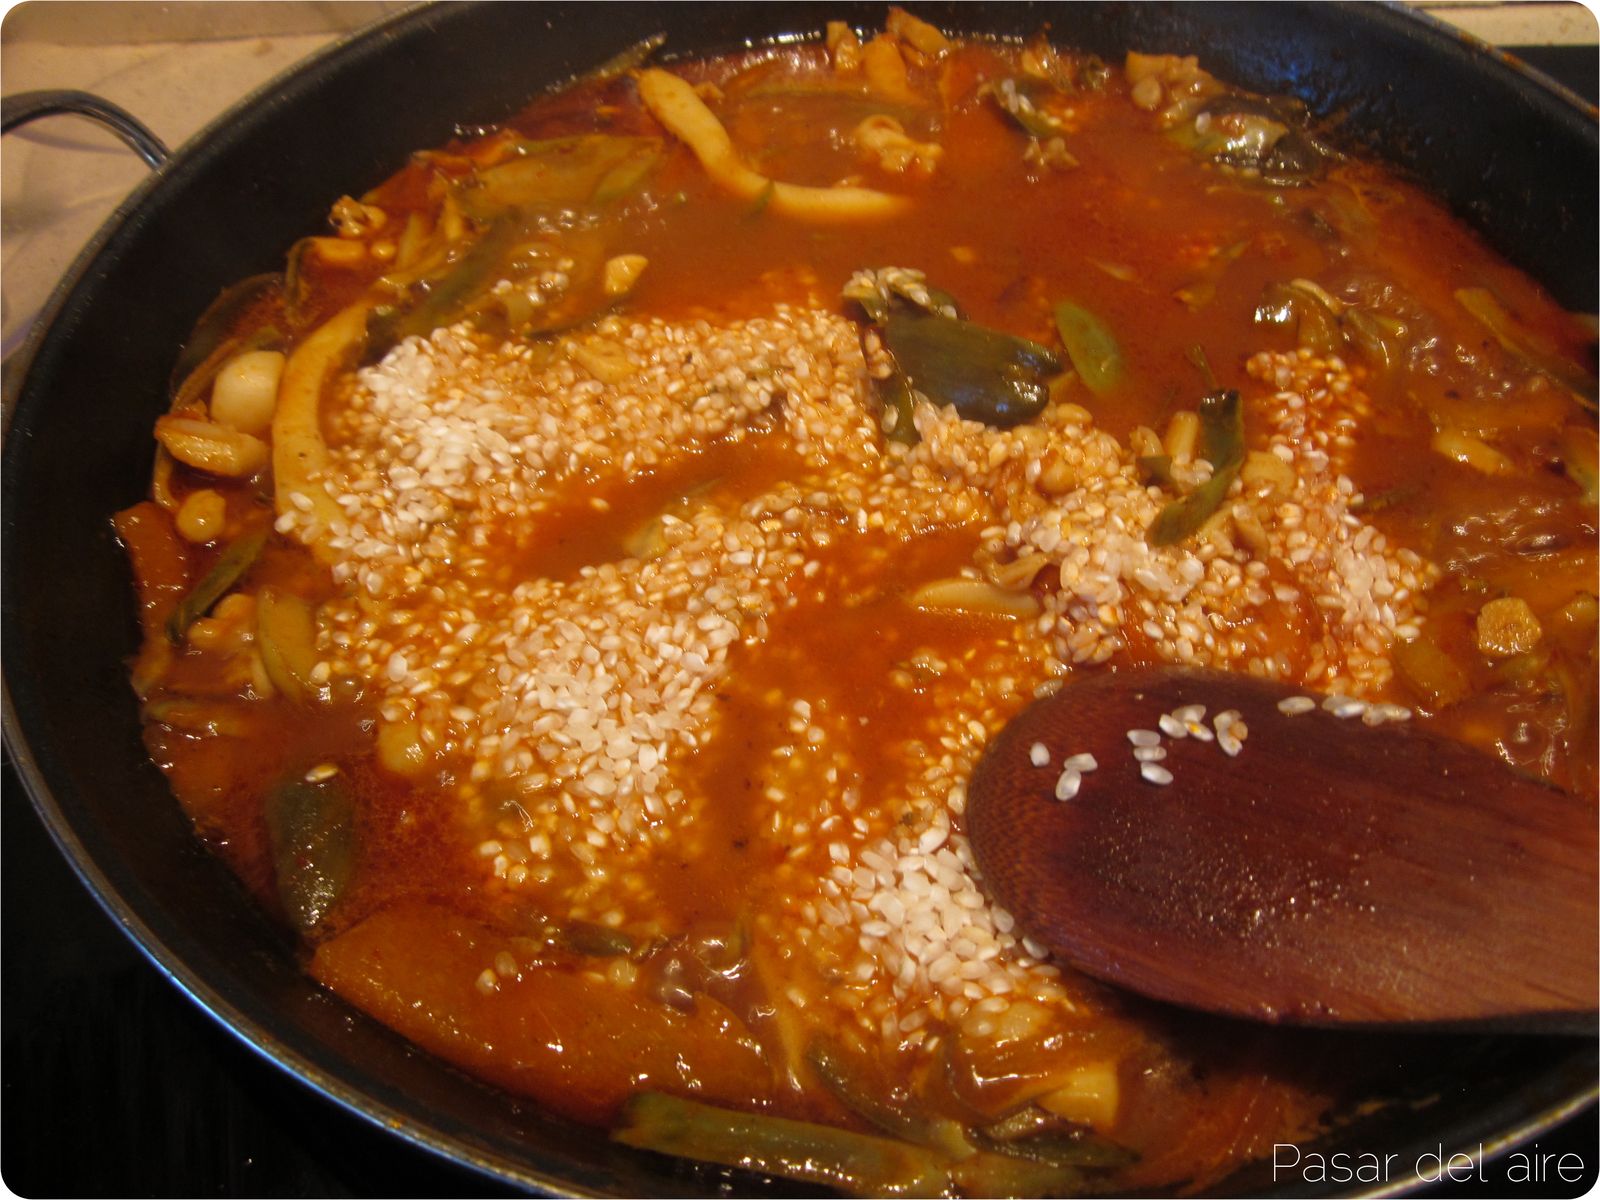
{"points": [[30, 106]]}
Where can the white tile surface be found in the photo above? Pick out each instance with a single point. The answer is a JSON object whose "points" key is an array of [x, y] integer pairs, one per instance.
{"points": [[1519, 22], [62, 176]]}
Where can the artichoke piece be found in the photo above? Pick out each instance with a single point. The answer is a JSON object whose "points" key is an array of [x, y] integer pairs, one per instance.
{"points": [[1315, 321], [566, 172], [311, 828], [1326, 325], [1481, 303], [714, 962], [1250, 133], [300, 295], [1222, 444], [1091, 346], [852, 1162], [984, 374], [1378, 336], [229, 568]]}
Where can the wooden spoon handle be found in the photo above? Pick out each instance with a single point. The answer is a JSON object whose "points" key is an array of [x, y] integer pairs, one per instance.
{"points": [[1330, 874]]}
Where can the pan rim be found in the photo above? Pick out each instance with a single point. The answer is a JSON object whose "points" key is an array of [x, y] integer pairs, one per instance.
{"points": [[150, 943]]}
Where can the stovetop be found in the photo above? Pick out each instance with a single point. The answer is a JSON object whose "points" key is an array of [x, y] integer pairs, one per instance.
{"points": [[113, 1082]]}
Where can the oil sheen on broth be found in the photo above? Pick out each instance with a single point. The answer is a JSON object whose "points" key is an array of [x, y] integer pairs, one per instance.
{"points": [[576, 589]]}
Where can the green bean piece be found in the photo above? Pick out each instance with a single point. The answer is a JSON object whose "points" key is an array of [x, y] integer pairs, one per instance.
{"points": [[286, 637], [1481, 303], [311, 828], [1578, 460], [853, 1162], [1025, 1121], [229, 568], [1222, 429], [1077, 1149], [1200, 361], [938, 1133], [1091, 346], [446, 298], [1033, 1132], [1157, 468], [1005, 1175], [1222, 444], [625, 178], [630, 59], [985, 375]]}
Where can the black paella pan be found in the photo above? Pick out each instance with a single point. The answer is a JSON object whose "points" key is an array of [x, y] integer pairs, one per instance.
{"points": [[1513, 156]]}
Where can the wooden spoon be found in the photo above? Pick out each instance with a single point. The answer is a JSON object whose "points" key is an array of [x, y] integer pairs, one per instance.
{"points": [[1332, 873]]}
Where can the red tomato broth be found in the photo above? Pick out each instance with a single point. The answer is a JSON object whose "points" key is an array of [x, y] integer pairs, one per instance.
{"points": [[500, 974]]}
